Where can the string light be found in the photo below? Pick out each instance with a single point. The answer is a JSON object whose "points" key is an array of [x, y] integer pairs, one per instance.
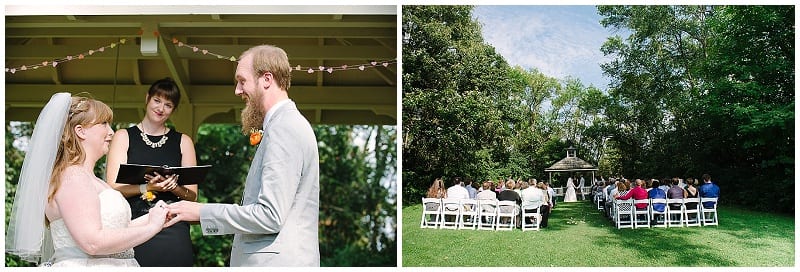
{"points": [[308, 69], [196, 49], [56, 62]]}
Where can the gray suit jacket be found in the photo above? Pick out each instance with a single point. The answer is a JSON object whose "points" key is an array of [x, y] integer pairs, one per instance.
{"points": [[277, 223]]}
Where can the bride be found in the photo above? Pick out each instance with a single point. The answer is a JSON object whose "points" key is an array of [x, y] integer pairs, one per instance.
{"points": [[569, 195], [90, 223]]}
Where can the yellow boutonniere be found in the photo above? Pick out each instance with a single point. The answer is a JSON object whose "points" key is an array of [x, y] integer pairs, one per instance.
{"points": [[149, 196], [255, 136]]}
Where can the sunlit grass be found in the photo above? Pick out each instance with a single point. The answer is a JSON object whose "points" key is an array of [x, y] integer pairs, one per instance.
{"points": [[578, 235]]}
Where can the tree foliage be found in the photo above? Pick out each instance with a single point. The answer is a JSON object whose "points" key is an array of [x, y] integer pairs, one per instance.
{"points": [[702, 89], [467, 113], [693, 90]]}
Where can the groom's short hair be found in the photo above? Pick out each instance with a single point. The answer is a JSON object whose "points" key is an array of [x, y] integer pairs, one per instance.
{"points": [[272, 59]]}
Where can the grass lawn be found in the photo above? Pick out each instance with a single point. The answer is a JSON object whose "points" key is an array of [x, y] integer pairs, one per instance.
{"points": [[578, 235]]}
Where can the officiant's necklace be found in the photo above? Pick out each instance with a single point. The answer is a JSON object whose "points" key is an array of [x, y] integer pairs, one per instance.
{"points": [[150, 143]]}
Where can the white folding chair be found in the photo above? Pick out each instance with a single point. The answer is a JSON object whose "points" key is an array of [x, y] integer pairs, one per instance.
{"points": [[487, 214], [655, 215], [709, 215], [645, 222], [691, 212], [450, 209], [469, 214], [431, 211], [623, 213], [598, 201], [536, 217], [507, 209], [675, 214]]}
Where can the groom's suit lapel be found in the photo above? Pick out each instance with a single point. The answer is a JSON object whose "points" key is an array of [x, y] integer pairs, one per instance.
{"points": [[253, 184]]}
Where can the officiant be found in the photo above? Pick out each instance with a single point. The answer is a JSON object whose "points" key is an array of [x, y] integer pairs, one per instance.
{"points": [[151, 142]]}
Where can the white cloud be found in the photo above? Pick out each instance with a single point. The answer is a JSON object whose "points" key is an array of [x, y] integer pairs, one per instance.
{"points": [[560, 41]]}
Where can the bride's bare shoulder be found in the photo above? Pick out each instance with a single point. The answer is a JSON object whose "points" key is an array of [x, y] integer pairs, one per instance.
{"points": [[74, 175]]}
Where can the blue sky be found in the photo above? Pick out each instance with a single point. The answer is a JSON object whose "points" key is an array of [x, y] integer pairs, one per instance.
{"points": [[560, 41]]}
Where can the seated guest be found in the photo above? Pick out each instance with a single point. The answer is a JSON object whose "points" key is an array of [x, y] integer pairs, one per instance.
{"points": [[657, 193], [691, 192], [638, 193], [437, 190], [675, 192], [544, 210], [470, 189], [531, 196], [457, 191], [487, 192], [551, 195], [708, 189], [509, 195], [665, 182]]}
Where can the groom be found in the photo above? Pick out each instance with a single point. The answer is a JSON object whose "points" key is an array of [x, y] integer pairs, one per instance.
{"points": [[277, 223]]}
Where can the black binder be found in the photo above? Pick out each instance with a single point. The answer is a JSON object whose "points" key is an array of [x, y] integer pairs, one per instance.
{"points": [[134, 173]]}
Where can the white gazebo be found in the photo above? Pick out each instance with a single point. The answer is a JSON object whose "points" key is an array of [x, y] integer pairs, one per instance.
{"points": [[571, 163]]}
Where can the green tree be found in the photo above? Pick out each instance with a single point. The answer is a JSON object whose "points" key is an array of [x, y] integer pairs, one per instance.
{"points": [[358, 215], [458, 109], [751, 87], [702, 89]]}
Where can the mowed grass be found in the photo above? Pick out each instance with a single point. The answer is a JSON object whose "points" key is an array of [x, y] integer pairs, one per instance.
{"points": [[579, 236]]}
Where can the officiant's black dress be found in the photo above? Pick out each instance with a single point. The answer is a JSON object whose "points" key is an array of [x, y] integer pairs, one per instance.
{"points": [[172, 246]]}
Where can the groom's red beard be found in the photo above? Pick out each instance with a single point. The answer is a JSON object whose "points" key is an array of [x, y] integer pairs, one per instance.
{"points": [[253, 114]]}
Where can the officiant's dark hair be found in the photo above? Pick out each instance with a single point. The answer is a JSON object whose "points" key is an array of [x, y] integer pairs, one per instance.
{"points": [[167, 88]]}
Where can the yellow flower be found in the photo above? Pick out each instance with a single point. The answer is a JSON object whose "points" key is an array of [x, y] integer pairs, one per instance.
{"points": [[149, 196]]}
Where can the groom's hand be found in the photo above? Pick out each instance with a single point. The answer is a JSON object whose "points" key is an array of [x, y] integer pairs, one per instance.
{"points": [[184, 211]]}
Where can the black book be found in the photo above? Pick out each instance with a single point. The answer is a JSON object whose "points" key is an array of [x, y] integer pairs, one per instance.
{"points": [[134, 173]]}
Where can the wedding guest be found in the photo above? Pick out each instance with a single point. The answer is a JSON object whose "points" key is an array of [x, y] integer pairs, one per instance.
{"points": [[90, 222], [547, 204], [657, 193], [457, 191], [675, 192], [509, 195], [708, 189], [552, 195], [151, 142], [637, 193], [691, 192], [487, 192], [470, 188], [437, 189], [531, 196]]}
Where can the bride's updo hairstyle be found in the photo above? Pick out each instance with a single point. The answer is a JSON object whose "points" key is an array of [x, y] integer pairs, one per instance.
{"points": [[83, 111]]}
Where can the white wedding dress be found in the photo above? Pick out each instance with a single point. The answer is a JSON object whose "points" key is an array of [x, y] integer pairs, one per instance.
{"points": [[115, 213], [569, 195]]}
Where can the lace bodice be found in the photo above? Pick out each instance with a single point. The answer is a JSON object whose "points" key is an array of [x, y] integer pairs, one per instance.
{"points": [[114, 213]]}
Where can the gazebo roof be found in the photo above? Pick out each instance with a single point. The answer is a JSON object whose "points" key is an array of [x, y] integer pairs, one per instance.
{"points": [[570, 163]]}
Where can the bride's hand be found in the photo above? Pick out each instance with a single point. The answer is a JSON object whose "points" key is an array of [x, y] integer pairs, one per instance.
{"points": [[158, 214]]}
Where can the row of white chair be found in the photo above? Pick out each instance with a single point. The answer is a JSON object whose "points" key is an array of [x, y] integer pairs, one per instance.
{"points": [[476, 214], [625, 215]]}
